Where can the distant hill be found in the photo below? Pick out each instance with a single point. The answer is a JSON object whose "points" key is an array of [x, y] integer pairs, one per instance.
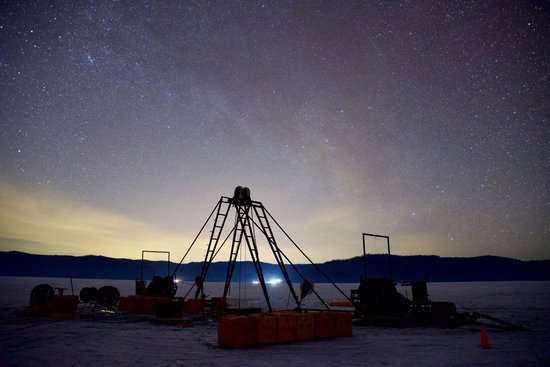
{"points": [[431, 268]]}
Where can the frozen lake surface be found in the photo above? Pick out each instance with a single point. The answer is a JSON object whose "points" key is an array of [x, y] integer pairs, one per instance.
{"points": [[115, 340]]}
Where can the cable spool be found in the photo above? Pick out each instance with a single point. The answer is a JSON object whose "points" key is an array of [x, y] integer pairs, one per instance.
{"points": [[245, 194], [42, 294], [242, 194], [108, 296], [237, 193], [89, 294]]}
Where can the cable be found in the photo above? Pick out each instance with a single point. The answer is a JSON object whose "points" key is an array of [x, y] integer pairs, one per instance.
{"points": [[189, 249], [311, 262]]}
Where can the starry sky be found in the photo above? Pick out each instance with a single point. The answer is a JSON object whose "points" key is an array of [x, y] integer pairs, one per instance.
{"points": [[122, 123]]}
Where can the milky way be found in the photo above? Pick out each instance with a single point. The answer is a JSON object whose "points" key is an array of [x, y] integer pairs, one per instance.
{"points": [[122, 123]]}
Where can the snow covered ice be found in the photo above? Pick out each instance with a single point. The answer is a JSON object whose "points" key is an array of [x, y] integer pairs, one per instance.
{"points": [[131, 340]]}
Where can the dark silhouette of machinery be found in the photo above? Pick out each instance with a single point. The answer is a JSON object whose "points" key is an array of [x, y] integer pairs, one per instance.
{"points": [[160, 286], [378, 302]]}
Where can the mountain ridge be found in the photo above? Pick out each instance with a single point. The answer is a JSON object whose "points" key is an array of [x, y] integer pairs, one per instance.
{"points": [[412, 267]]}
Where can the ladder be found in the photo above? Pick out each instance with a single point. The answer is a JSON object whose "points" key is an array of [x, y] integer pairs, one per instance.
{"points": [[245, 222], [265, 227], [222, 211], [243, 228]]}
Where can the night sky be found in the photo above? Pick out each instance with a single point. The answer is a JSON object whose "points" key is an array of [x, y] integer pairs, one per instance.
{"points": [[122, 124]]}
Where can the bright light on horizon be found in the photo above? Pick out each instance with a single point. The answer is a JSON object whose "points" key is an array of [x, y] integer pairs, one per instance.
{"points": [[273, 282]]}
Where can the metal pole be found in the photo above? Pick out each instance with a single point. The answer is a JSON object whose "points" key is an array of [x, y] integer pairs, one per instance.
{"points": [[72, 288], [141, 277], [364, 259], [389, 259]]}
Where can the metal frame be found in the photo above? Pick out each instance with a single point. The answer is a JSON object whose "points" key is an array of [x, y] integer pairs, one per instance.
{"points": [[365, 254], [156, 252], [243, 227]]}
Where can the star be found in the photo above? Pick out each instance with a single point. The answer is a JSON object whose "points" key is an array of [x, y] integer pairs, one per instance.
{"points": [[341, 119]]}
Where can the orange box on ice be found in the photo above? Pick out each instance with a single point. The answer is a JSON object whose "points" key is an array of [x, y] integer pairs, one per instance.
{"points": [[195, 305], [342, 324], [267, 329], [286, 327], [305, 326], [237, 331], [324, 325]]}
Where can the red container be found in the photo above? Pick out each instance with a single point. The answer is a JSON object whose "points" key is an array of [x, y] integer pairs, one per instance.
{"points": [[123, 303], [305, 326], [63, 307], [129, 303], [342, 324], [39, 309], [324, 325], [237, 331], [267, 329], [286, 327], [144, 304], [195, 305]]}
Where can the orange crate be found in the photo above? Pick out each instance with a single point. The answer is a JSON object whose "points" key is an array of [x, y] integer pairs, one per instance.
{"points": [[342, 324], [340, 304], [286, 327], [237, 331], [324, 325], [195, 305], [267, 329], [305, 326]]}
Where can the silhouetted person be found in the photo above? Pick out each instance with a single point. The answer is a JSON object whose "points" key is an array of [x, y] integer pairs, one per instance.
{"points": [[200, 286]]}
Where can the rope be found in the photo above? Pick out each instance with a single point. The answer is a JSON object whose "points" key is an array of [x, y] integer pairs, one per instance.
{"points": [[240, 274], [196, 237], [311, 262]]}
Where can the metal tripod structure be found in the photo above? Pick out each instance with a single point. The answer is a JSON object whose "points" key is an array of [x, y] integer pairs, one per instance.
{"points": [[243, 229], [249, 214]]}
